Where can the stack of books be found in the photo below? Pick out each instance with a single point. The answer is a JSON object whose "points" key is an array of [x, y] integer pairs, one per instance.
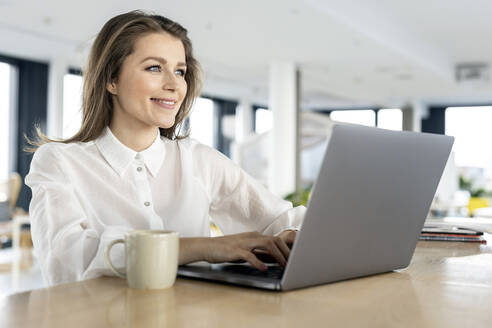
{"points": [[452, 234]]}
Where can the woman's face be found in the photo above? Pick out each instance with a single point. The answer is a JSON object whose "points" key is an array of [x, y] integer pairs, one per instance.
{"points": [[151, 85]]}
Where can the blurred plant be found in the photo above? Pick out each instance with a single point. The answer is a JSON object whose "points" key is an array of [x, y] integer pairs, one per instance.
{"points": [[467, 184], [299, 198]]}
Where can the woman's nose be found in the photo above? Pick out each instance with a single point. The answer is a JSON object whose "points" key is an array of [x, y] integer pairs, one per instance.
{"points": [[169, 81]]}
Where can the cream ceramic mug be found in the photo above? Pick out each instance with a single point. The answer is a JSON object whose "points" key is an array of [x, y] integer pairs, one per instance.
{"points": [[151, 258]]}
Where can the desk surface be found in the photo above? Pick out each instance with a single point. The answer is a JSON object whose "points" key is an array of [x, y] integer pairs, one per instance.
{"points": [[446, 285]]}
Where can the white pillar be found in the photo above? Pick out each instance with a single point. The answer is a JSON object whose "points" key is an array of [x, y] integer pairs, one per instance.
{"points": [[57, 70], [284, 170], [420, 109], [412, 116], [244, 120]]}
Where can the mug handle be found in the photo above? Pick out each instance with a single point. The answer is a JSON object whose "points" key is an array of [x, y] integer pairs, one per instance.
{"points": [[108, 259]]}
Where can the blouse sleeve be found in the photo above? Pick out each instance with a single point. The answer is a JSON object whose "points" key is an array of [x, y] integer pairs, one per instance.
{"points": [[239, 203], [66, 245]]}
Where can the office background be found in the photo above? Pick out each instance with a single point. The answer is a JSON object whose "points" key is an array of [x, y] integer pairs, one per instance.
{"points": [[277, 74]]}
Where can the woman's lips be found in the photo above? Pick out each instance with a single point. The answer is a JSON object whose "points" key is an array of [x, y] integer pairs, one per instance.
{"points": [[165, 102]]}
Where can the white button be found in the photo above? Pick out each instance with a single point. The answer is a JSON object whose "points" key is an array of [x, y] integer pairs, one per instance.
{"points": [[147, 203], [137, 156], [139, 169]]}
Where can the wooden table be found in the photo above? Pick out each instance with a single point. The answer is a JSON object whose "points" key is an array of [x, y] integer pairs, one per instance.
{"points": [[446, 285]]}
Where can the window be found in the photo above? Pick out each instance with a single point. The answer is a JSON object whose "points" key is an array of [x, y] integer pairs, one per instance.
{"points": [[72, 104], [471, 128], [391, 119], [363, 117], [263, 119], [202, 121], [5, 82]]}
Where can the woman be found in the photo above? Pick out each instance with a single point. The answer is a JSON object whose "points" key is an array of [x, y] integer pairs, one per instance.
{"points": [[128, 168]]}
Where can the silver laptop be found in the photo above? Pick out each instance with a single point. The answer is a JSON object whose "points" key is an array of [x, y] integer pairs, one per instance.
{"points": [[365, 214]]}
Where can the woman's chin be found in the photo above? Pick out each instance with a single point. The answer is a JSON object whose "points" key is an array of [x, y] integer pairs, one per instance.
{"points": [[166, 124]]}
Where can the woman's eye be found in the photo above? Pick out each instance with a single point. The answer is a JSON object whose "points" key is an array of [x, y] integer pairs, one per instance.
{"points": [[180, 72], [154, 68]]}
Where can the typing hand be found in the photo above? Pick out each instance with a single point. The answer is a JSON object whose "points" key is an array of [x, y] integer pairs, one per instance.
{"points": [[288, 236], [246, 246]]}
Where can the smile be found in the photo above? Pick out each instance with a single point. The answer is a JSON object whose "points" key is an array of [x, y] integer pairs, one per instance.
{"points": [[165, 102]]}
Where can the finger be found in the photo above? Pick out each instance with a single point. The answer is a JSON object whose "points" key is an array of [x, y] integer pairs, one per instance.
{"points": [[291, 237], [273, 249], [288, 236], [253, 260], [283, 247]]}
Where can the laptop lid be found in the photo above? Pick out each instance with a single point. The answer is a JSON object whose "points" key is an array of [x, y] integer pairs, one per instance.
{"points": [[368, 204]]}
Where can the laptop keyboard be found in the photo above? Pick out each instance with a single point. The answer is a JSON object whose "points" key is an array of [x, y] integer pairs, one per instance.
{"points": [[273, 272]]}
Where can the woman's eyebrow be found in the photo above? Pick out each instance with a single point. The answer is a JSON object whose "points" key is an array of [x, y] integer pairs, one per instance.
{"points": [[161, 60]]}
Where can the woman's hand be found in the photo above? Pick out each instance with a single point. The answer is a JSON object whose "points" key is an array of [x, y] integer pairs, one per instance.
{"points": [[243, 247], [288, 236], [238, 247]]}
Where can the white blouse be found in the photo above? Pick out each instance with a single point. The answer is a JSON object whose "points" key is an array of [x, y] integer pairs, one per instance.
{"points": [[87, 194]]}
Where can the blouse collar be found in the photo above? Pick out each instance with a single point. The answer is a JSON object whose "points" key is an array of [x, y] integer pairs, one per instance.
{"points": [[120, 156]]}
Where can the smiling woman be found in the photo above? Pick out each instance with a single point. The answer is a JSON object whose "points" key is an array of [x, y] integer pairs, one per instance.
{"points": [[115, 45], [129, 168], [149, 90]]}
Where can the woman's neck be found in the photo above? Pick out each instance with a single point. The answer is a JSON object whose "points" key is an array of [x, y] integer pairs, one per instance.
{"points": [[135, 139]]}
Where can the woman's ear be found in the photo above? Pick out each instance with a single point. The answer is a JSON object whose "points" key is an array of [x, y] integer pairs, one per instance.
{"points": [[111, 87]]}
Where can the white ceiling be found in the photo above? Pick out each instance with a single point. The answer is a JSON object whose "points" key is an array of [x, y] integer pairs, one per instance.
{"points": [[349, 52]]}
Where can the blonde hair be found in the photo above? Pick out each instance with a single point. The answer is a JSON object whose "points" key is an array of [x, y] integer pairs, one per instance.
{"points": [[112, 45]]}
